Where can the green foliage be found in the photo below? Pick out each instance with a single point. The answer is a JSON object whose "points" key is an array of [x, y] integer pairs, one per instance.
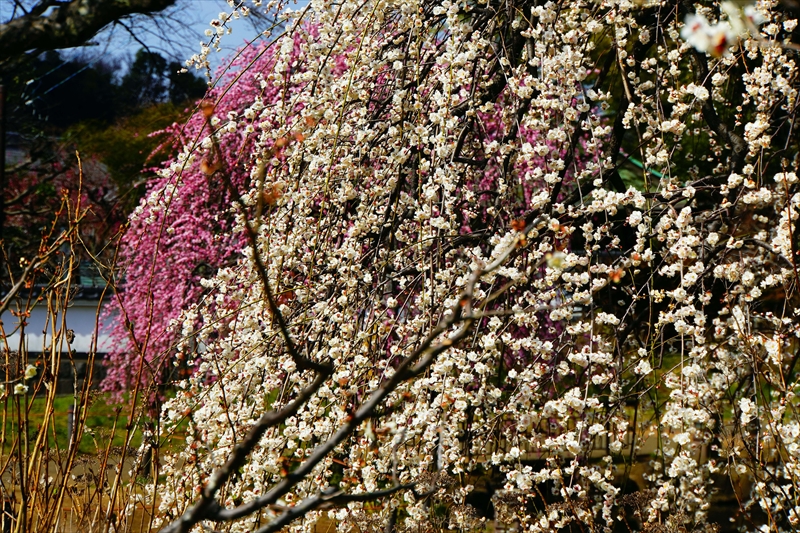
{"points": [[58, 105], [127, 146], [52, 93]]}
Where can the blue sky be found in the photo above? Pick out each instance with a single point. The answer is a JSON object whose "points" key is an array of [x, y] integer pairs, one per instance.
{"points": [[180, 37]]}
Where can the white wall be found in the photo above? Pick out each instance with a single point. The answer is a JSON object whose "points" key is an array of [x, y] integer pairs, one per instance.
{"points": [[81, 318]]}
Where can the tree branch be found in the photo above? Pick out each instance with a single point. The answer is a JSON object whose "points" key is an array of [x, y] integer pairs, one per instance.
{"points": [[68, 24], [327, 499], [726, 133]]}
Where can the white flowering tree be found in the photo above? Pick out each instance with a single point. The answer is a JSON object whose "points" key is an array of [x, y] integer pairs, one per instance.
{"points": [[526, 245]]}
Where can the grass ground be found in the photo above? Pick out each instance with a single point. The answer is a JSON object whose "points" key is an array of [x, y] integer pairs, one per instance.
{"points": [[106, 423]]}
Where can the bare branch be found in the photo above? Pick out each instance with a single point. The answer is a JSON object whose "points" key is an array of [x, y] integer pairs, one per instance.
{"points": [[67, 24]]}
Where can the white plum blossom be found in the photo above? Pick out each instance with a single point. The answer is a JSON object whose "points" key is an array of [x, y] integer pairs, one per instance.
{"points": [[643, 367], [748, 410]]}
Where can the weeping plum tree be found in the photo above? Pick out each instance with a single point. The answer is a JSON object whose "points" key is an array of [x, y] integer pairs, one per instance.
{"points": [[449, 271]]}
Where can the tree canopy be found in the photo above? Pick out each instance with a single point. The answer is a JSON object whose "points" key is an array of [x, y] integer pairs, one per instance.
{"points": [[525, 244]]}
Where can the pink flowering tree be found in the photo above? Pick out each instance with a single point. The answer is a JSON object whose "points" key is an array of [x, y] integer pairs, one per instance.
{"points": [[509, 249], [184, 229]]}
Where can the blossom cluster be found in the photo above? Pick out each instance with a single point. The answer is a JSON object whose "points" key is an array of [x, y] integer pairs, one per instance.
{"points": [[183, 231]]}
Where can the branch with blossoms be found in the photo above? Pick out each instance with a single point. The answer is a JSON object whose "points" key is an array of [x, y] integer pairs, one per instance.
{"points": [[208, 508]]}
